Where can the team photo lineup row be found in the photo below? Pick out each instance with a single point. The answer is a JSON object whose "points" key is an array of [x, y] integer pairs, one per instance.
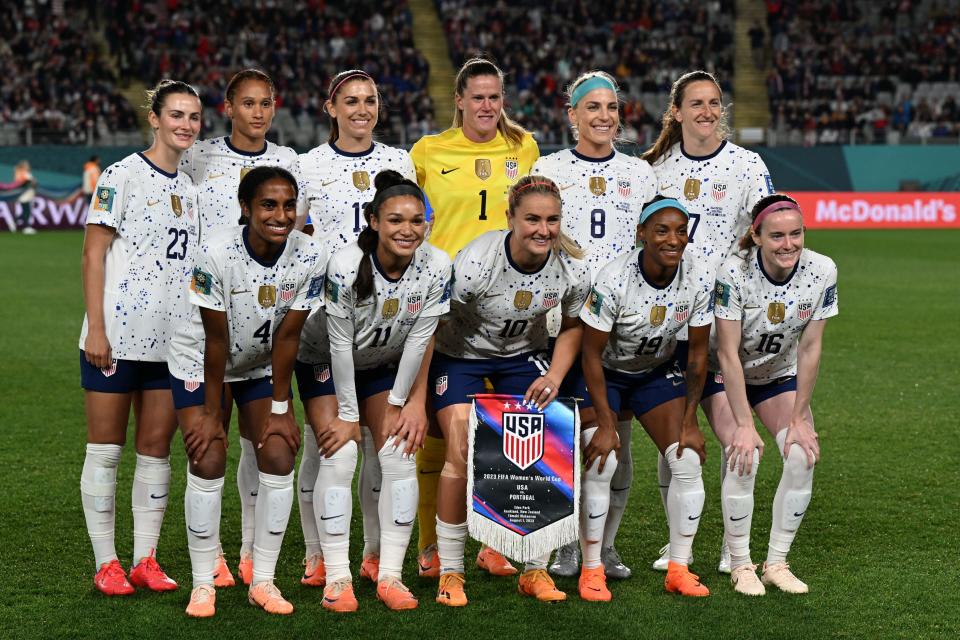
{"points": [[215, 271]]}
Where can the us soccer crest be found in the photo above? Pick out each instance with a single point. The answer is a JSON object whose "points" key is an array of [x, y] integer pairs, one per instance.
{"points": [[776, 312], [176, 205], [390, 308], [191, 385], [551, 299], [414, 302], [244, 171], [681, 312], [623, 188], [288, 289], [657, 315], [598, 185], [361, 180], [522, 299], [441, 385], [523, 438], [719, 191], [483, 168], [804, 310], [691, 189], [321, 372], [511, 167], [109, 371], [267, 296]]}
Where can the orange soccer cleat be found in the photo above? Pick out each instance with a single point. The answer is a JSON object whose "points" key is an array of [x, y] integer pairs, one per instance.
{"points": [[593, 585], [266, 596], [370, 567], [680, 580], [451, 591], [314, 573], [221, 574], [338, 596], [203, 602], [148, 575], [493, 562], [428, 562], [111, 580], [538, 584], [395, 595], [245, 568]]}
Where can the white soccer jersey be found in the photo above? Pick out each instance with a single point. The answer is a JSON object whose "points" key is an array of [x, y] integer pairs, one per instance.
{"points": [[337, 184], [256, 297], [643, 319], [499, 311], [147, 266], [602, 200], [773, 315], [719, 191], [382, 321], [217, 167]]}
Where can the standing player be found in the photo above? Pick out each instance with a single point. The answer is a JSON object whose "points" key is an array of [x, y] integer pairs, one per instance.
{"points": [[719, 182], [638, 305], [772, 305], [505, 284], [384, 296], [603, 192], [466, 172], [142, 226], [252, 289], [217, 165], [338, 181]]}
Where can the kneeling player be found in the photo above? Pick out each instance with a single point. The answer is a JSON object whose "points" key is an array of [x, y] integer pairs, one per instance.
{"points": [[252, 288], [505, 284], [639, 303]]}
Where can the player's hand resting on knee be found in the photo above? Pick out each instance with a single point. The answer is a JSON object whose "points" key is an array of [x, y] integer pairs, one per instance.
{"points": [[411, 426], [604, 440], [283, 426], [801, 433], [740, 455], [338, 433], [201, 433]]}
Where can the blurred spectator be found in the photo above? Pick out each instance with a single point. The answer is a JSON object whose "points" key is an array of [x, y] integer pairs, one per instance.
{"points": [[23, 178], [91, 173]]}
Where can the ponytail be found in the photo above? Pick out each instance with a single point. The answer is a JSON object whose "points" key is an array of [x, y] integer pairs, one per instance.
{"points": [[746, 242], [670, 133], [511, 131]]}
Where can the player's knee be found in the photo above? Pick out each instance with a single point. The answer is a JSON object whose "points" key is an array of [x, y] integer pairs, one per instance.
{"points": [[338, 469], [797, 465], [213, 464], [685, 467], [394, 462], [275, 457]]}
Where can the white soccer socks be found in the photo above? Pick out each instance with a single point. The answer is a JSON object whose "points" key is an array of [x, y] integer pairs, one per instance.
{"points": [[790, 501], [595, 492], [663, 481], [397, 507], [369, 488], [333, 507], [201, 502], [274, 502], [451, 541], [684, 501], [736, 499], [620, 484], [98, 489], [248, 485], [151, 487], [306, 481]]}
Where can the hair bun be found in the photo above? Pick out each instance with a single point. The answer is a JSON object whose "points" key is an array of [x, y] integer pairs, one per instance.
{"points": [[388, 178]]}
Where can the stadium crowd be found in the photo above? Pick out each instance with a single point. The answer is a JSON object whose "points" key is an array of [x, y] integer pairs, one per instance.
{"points": [[855, 71], [305, 42], [541, 45]]}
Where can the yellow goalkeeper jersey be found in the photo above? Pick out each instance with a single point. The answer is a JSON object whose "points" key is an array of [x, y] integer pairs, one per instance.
{"points": [[467, 183]]}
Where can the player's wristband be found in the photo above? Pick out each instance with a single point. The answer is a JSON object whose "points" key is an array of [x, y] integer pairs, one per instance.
{"points": [[280, 407]]}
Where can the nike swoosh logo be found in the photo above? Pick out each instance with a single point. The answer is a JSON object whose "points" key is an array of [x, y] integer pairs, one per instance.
{"points": [[214, 176], [402, 524], [236, 292], [302, 490], [444, 172], [195, 532], [594, 517], [153, 497], [664, 486], [331, 517], [694, 517], [424, 471], [491, 295], [620, 489], [567, 186], [732, 519], [797, 515], [254, 493], [327, 183], [593, 588], [329, 599], [150, 204], [664, 186], [275, 533], [377, 490]]}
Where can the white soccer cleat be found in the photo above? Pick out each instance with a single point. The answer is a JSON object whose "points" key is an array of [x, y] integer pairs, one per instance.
{"points": [[613, 566], [779, 575], [567, 561], [660, 564], [744, 580], [724, 566]]}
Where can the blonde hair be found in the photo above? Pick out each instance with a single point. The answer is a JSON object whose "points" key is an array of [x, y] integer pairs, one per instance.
{"points": [[534, 184], [511, 131], [583, 77], [670, 134]]}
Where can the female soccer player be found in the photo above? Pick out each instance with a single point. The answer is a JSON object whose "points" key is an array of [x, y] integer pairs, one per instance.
{"points": [[384, 296], [638, 305], [603, 193], [142, 227], [338, 181], [718, 182], [506, 282], [772, 303], [217, 165], [252, 289], [466, 172]]}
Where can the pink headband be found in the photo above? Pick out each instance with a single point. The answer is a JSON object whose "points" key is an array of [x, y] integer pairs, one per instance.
{"points": [[776, 206], [552, 186], [349, 76]]}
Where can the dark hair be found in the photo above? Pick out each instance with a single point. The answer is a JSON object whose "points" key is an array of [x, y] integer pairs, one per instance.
{"points": [[389, 184], [654, 199], [157, 96], [746, 242], [247, 74], [250, 184], [475, 67], [671, 133], [336, 83]]}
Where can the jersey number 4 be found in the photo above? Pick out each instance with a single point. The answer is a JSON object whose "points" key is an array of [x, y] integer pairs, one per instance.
{"points": [[263, 332]]}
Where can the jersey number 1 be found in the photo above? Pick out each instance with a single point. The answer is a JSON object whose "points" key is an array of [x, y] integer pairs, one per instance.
{"points": [[483, 204]]}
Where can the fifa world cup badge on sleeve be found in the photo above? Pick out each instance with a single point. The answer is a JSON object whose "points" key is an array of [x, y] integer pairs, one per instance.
{"points": [[201, 282], [104, 200], [523, 474], [316, 287], [721, 294], [595, 303]]}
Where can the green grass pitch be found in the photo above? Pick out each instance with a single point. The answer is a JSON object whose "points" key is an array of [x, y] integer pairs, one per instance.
{"points": [[879, 546]]}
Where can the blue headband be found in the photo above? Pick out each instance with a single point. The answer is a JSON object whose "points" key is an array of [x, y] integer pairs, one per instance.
{"points": [[660, 205], [585, 87]]}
